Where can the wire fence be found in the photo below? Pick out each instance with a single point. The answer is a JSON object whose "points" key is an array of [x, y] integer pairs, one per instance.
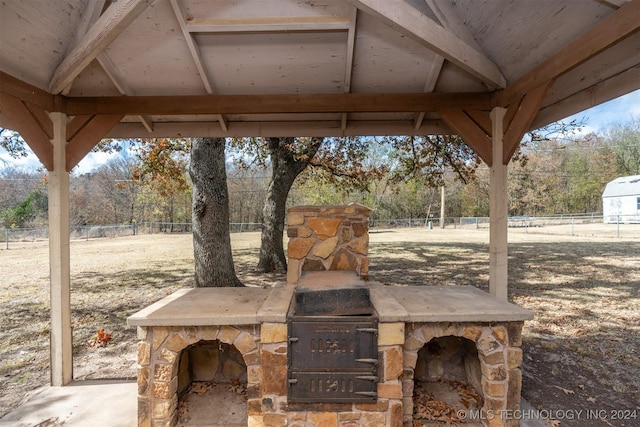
{"points": [[592, 224]]}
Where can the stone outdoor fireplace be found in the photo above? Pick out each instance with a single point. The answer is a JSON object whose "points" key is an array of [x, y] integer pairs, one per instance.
{"points": [[426, 337]]}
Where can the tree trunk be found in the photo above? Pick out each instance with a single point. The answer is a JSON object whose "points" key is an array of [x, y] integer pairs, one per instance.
{"points": [[285, 167], [211, 240]]}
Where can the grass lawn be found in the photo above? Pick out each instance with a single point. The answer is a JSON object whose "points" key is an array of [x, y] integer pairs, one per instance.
{"points": [[581, 350]]}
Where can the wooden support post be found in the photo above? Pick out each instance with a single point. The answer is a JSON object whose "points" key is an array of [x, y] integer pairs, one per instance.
{"points": [[59, 258], [498, 276]]}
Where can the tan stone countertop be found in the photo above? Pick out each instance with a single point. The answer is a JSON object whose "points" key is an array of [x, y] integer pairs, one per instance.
{"points": [[252, 306], [204, 306], [453, 304]]}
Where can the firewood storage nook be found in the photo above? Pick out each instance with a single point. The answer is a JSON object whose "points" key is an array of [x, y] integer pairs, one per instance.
{"points": [[329, 348]]}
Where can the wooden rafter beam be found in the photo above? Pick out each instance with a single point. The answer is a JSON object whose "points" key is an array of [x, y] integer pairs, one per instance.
{"points": [[120, 84], [88, 137], [429, 85], [451, 21], [618, 85], [90, 15], [348, 63], [611, 30], [29, 127], [269, 24], [115, 19], [195, 55], [404, 18], [616, 3], [472, 134], [277, 103]]}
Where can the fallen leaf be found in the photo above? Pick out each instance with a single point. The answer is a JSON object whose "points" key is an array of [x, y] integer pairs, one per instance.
{"points": [[591, 399], [564, 390]]}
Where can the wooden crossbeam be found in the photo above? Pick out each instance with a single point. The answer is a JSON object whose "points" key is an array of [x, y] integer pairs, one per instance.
{"points": [[277, 103], [26, 92], [268, 24]]}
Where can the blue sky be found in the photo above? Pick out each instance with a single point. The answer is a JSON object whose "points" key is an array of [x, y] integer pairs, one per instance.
{"points": [[596, 119]]}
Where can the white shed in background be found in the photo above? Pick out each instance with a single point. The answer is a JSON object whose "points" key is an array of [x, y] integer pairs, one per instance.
{"points": [[621, 200]]}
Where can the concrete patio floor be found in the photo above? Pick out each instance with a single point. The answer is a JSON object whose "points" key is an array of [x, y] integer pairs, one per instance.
{"points": [[91, 403], [103, 403]]}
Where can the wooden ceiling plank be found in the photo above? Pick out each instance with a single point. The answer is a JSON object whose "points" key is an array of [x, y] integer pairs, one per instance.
{"points": [[28, 127], [26, 92], [112, 72], [277, 103], [269, 24], [195, 54], [115, 19], [469, 131], [450, 20], [525, 115], [612, 29], [615, 86], [88, 137], [403, 17]]}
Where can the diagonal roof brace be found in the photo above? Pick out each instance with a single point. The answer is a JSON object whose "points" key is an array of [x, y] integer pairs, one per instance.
{"points": [[112, 22]]}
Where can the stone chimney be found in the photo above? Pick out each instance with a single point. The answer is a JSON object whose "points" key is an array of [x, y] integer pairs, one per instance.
{"points": [[328, 238]]}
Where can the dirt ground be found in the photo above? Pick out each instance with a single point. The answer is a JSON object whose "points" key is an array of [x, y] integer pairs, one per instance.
{"points": [[581, 367]]}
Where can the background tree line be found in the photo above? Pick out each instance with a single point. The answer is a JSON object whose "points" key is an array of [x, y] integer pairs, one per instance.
{"points": [[398, 177]]}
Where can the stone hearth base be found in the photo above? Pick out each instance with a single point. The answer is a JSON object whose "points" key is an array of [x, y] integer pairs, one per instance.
{"points": [[254, 322]]}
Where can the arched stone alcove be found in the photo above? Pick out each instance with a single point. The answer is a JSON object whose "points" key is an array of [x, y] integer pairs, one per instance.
{"points": [[161, 379]]}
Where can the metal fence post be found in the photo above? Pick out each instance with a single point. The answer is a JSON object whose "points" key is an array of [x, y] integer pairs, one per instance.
{"points": [[6, 237], [572, 221]]}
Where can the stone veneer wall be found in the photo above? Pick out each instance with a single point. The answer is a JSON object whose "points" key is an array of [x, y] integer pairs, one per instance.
{"points": [[327, 238], [158, 358], [500, 356], [264, 351]]}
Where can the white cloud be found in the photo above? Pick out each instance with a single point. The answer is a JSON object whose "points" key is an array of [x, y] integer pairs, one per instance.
{"points": [[92, 161], [617, 111]]}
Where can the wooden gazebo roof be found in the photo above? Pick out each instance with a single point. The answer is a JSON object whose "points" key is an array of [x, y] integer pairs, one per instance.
{"points": [[143, 68]]}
